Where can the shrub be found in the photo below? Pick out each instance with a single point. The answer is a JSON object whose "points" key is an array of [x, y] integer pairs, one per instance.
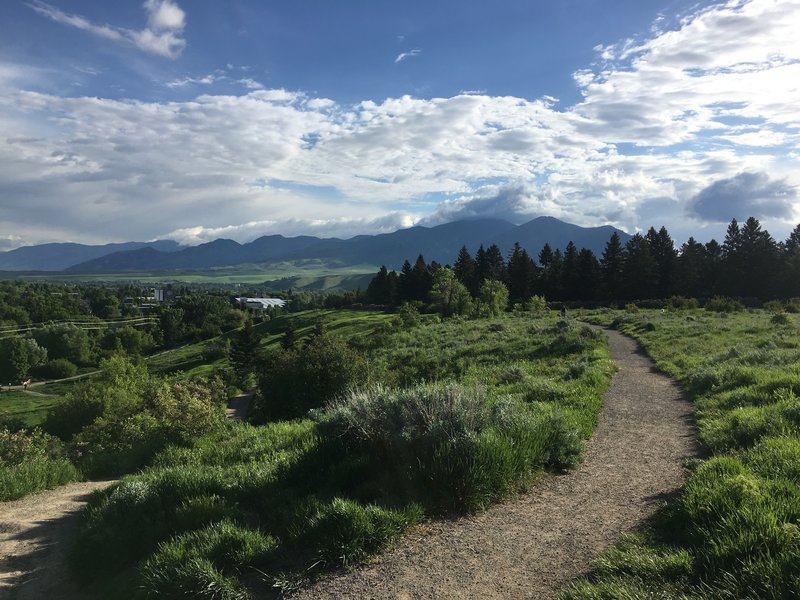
{"points": [[343, 533], [721, 304], [631, 308], [774, 306], [199, 564], [296, 381], [449, 435], [213, 351], [60, 368], [125, 436], [31, 461], [780, 318], [681, 303], [537, 304]]}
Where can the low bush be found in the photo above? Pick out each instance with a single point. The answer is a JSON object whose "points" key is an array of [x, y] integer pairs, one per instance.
{"points": [[60, 368], [198, 564], [721, 304], [31, 461], [295, 381]]}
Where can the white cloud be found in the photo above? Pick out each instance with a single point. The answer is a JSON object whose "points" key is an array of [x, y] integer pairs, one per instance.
{"points": [[340, 227], [660, 121], [251, 84], [410, 54], [162, 36]]}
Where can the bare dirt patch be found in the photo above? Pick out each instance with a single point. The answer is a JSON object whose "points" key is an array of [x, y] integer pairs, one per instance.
{"points": [[533, 545], [34, 534]]}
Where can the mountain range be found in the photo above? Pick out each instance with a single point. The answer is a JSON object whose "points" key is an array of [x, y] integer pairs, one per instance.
{"points": [[440, 243]]}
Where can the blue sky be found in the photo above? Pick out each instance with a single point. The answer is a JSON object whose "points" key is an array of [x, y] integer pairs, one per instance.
{"points": [[195, 120]]}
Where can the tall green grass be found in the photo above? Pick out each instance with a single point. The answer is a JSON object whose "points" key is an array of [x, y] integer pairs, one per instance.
{"points": [[734, 531], [458, 415], [30, 462]]}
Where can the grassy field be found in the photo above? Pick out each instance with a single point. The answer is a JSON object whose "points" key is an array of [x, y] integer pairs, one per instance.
{"points": [[734, 532], [310, 275], [454, 417], [28, 408], [349, 324]]}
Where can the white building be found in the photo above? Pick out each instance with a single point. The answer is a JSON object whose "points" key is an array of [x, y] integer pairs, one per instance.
{"points": [[260, 303]]}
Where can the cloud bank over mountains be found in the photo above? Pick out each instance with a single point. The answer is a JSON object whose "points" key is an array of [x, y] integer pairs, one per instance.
{"points": [[696, 122]]}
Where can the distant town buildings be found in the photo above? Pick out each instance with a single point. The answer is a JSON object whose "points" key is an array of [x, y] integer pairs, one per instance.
{"points": [[257, 304]]}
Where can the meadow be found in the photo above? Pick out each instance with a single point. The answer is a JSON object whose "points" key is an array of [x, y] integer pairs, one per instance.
{"points": [[733, 532], [307, 274], [451, 417]]}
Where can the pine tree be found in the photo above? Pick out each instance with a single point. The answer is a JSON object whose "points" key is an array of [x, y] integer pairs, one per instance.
{"points": [[521, 272], [638, 269], [662, 249], [588, 275], [466, 271], [245, 353], [569, 272], [611, 267], [690, 271], [289, 339]]}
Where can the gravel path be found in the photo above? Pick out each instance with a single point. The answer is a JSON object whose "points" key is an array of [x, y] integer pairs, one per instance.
{"points": [[34, 532], [533, 545], [239, 406]]}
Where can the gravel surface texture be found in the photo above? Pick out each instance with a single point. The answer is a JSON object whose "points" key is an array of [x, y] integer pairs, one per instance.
{"points": [[534, 544], [34, 533]]}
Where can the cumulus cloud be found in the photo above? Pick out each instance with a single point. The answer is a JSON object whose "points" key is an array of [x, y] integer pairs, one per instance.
{"points": [[405, 55], [163, 34], [744, 195], [516, 203], [341, 227], [662, 122]]}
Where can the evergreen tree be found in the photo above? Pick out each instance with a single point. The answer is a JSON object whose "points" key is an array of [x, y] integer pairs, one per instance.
{"points": [[383, 288], [758, 261], [405, 283], [466, 270], [490, 264], [691, 270], [662, 249], [611, 268], [569, 273], [421, 280], [588, 275], [791, 265], [289, 339], [793, 242], [521, 272], [245, 353], [638, 269], [731, 272]]}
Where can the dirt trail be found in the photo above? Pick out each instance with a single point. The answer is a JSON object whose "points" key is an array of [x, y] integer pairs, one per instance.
{"points": [[34, 532], [239, 406], [533, 545]]}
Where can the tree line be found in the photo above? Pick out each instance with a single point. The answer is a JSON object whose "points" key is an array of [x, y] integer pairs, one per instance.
{"points": [[749, 263]]}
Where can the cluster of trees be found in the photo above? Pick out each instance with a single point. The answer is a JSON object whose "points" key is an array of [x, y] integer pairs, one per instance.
{"points": [[749, 263], [52, 330]]}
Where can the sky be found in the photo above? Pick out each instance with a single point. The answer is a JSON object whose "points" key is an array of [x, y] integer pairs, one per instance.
{"points": [[170, 119]]}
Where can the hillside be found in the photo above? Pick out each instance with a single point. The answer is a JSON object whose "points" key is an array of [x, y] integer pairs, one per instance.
{"points": [[440, 243]]}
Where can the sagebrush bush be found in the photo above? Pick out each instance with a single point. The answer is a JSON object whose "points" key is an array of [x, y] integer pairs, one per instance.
{"points": [[724, 305]]}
